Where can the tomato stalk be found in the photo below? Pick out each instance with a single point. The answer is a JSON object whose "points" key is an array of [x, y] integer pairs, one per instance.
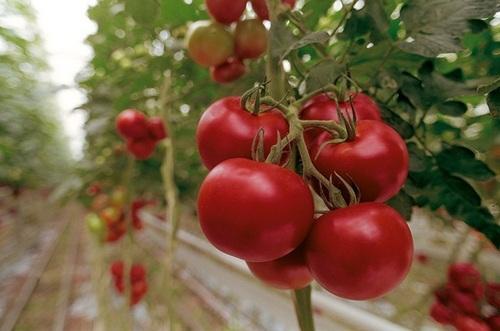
{"points": [[172, 212]]}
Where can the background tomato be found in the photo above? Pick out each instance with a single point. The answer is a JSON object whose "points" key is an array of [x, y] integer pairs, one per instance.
{"points": [[209, 43], [157, 128], [287, 273], [132, 124], [376, 160], [255, 211], [360, 252], [322, 107], [228, 72], [227, 131], [260, 7], [250, 39], [141, 148], [226, 11]]}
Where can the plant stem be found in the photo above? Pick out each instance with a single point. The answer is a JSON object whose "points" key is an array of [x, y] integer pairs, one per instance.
{"points": [[127, 242], [303, 308]]}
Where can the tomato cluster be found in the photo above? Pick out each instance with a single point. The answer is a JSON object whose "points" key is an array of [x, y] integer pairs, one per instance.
{"points": [[264, 213], [141, 133], [223, 48], [138, 281], [466, 302]]}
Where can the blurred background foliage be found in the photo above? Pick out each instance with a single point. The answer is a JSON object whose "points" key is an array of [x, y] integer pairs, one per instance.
{"points": [[33, 149]]}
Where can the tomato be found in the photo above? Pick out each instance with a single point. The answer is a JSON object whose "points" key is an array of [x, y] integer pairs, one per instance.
{"points": [[226, 11], [464, 302], [96, 226], [227, 131], [132, 124], [117, 268], [111, 215], [287, 273], [464, 275], [260, 7], [442, 314], [360, 252], [137, 273], [321, 107], [157, 128], [255, 211], [494, 322], [118, 197], [209, 44], [99, 202], [493, 294], [142, 149], [250, 38], [467, 323], [228, 72], [376, 160]]}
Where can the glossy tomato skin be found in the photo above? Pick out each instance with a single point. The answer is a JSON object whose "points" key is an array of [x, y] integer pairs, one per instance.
{"points": [[286, 273], [228, 72], [157, 128], [360, 252], [250, 39], [227, 131], [467, 323], [142, 149], [226, 11], [322, 107], [254, 211], [132, 124], [376, 160], [260, 7], [209, 43]]}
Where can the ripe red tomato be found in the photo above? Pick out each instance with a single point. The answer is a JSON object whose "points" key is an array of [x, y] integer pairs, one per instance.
{"points": [[287, 273], [157, 128], [322, 107], [376, 160], [209, 43], [229, 71], [137, 273], [227, 131], [142, 149], [360, 252], [260, 7], [464, 275], [467, 323], [250, 38], [494, 322], [442, 314], [117, 268], [255, 211], [132, 124], [226, 11], [493, 294]]}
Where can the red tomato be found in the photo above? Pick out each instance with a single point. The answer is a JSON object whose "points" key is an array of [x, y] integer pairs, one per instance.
{"points": [[360, 252], [137, 273], [494, 322], [466, 323], [464, 275], [142, 149], [376, 160], [287, 273], [157, 128], [117, 269], [228, 72], [322, 107], [260, 7], [250, 38], [209, 44], [255, 211], [226, 11], [442, 314], [132, 124], [464, 302], [227, 131], [493, 294]]}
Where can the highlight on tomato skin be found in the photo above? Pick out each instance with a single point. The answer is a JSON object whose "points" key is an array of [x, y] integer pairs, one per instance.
{"points": [[360, 252], [255, 211]]}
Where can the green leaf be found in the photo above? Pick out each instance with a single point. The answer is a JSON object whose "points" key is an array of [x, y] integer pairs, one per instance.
{"points": [[462, 161], [314, 10], [143, 12], [397, 122], [177, 12], [413, 89], [403, 203], [493, 101], [281, 38], [322, 74], [419, 161], [436, 26], [452, 108], [317, 37], [463, 190]]}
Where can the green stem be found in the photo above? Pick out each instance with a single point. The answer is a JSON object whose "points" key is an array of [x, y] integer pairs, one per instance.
{"points": [[303, 308]]}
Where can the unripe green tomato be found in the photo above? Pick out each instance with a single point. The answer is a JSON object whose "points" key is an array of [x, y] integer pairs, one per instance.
{"points": [[96, 226], [209, 43], [250, 39]]}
